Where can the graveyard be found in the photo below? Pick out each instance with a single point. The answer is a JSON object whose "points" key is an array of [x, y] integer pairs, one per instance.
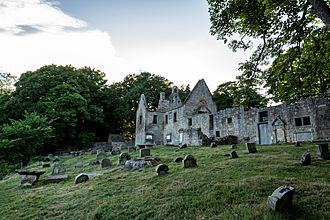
{"points": [[223, 185]]}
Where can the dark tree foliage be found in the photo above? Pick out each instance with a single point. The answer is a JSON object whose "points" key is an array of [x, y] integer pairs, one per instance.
{"points": [[280, 27], [232, 94], [72, 98], [126, 95]]}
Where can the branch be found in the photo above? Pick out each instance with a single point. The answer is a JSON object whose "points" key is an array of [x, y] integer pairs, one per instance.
{"points": [[322, 10]]}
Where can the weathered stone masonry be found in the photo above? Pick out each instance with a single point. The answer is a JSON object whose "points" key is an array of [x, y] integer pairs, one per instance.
{"points": [[176, 122]]}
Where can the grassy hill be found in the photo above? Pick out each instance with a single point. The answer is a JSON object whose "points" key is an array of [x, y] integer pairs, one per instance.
{"points": [[219, 188]]}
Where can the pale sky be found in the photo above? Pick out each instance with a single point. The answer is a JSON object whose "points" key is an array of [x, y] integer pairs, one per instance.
{"points": [[119, 37]]}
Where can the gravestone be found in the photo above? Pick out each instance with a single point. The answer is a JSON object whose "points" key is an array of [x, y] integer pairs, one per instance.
{"points": [[144, 152], [58, 168], [162, 169], [297, 144], [251, 147], [93, 151], [79, 165], [182, 146], [106, 163], [178, 159], [281, 198], [306, 159], [56, 159], [189, 161], [115, 151], [57, 178], [123, 157], [233, 154], [322, 151], [101, 155], [27, 180], [82, 177], [233, 146], [213, 144]]}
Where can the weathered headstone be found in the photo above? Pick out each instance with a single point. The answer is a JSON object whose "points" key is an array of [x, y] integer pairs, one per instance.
{"points": [[213, 144], [281, 198], [57, 178], [136, 164], [105, 163], [251, 147], [178, 159], [189, 161], [58, 168], [101, 155], [115, 151], [297, 144], [79, 165], [182, 146], [27, 180], [144, 152], [82, 177], [123, 157], [233, 146], [322, 151], [233, 154], [306, 159], [162, 169]]}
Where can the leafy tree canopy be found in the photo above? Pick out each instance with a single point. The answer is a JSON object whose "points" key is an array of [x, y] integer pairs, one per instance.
{"points": [[232, 94], [280, 27], [20, 139]]}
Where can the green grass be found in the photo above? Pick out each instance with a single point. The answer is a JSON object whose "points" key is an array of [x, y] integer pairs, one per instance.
{"points": [[219, 188]]}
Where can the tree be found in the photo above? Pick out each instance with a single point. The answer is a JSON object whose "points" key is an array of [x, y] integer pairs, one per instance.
{"points": [[72, 98], [279, 26], [20, 139], [128, 94], [6, 81], [301, 72], [233, 94]]}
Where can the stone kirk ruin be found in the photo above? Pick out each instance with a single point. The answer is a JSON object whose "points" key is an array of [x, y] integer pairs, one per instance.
{"points": [[196, 119]]}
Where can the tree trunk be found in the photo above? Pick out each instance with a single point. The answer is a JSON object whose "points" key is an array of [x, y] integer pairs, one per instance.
{"points": [[322, 10]]}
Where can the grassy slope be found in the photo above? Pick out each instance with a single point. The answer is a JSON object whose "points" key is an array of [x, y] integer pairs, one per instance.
{"points": [[220, 188]]}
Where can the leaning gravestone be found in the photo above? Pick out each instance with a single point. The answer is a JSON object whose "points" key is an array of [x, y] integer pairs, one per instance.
{"points": [[123, 157], [81, 178], [178, 159], [58, 168], [322, 151], [162, 169], [57, 178], [144, 152], [105, 163], [281, 198], [189, 161], [306, 159], [115, 151], [182, 146], [251, 147], [233, 154]]}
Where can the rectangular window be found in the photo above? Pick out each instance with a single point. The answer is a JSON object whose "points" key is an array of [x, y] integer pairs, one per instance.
{"points": [[166, 119], [189, 121], [174, 117], [168, 138], [149, 137], [211, 122], [302, 121], [154, 121], [263, 116], [229, 120], [140, 119], [217, 133], [306, 121]]}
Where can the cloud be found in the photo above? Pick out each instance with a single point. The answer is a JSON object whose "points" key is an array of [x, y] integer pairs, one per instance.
{"points": [[35, 33]]}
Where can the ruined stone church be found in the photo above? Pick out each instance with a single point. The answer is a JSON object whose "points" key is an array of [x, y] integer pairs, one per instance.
{"points": [[178, 122]]}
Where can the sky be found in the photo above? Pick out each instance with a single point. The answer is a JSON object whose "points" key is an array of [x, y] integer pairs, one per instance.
{"points": [[119, 37]]}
